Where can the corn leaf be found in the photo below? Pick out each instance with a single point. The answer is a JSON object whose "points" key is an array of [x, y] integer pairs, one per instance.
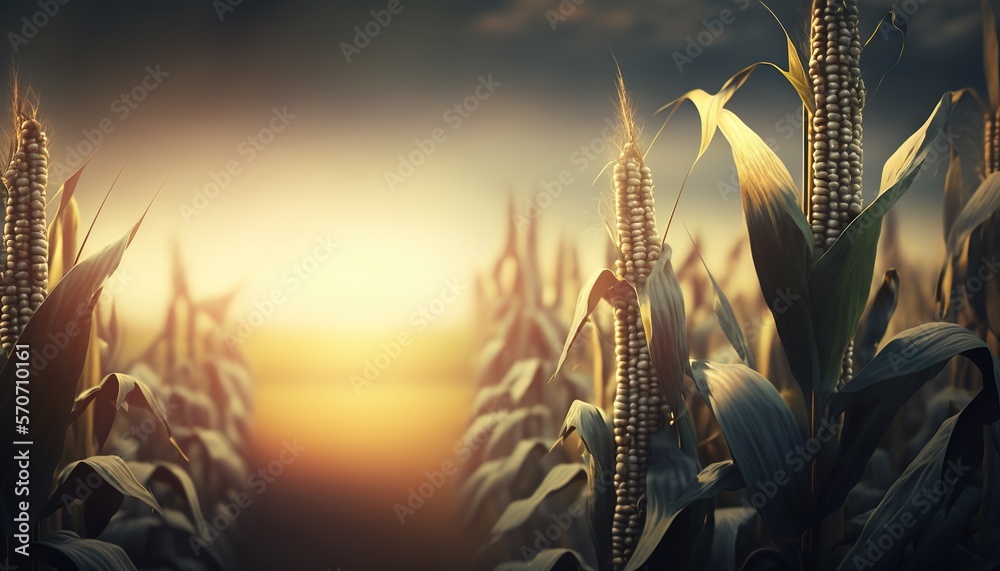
{"points": [[520, 511], [500, 475], [216, 450], [917, 496], [983, 204], [108, 397], [781, 244], [747, 405], [661, 483], [672, 469], [727, 320], [952, 191], [115, 482], [62, 232], [549, 560], [661, 306], [66, 551], [516, 426], [991, 56], [591, 424], [510, 391], [840, 281], [870, 402], [933, 548], [991, 299], [592, 293], [178, 480], [63, 244], [796, 74], [68, 309], [728, 522], [879, 315], [991, 482]]}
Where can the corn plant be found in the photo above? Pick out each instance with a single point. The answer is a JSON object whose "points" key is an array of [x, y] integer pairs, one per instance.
{"points": [[32, 319], [512, 410], [814, 254], [638, 460], [827, 268]]}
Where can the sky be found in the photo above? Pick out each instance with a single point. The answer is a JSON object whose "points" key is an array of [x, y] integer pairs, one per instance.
{"points": [[354, 160]]}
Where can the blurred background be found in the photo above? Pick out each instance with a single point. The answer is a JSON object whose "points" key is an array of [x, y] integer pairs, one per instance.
{"points": [[343, 172]]}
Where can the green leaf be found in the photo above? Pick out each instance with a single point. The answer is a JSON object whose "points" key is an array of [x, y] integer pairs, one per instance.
{"points": [[510, 392], [781, 244], [727, 320], [520, 424], [65, 315], [101, 483], [952, 191], [728, 522], [65, 551], [668, 469], [913, 500], [590, 423], [215, 450], [870, 402], [747, 405], [879, 315], [114, 391], [591, 294], [549, 560], [661, 306], [500, 475], [520, 511], [943, 533], [841, 279], [985, 202], [177, 479]]}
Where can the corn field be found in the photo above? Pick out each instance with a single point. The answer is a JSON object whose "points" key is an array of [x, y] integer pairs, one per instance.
{"points": [[315, 289], [807, 446]]}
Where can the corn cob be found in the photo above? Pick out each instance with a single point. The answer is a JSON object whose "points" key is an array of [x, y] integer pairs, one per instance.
{"points": [[991, 142], [637, 414], [834, 135], [835, 128], [26, 268]]}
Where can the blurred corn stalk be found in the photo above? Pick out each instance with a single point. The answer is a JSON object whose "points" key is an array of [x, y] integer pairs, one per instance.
{"points": [[522, 315], [968, 289], [207, 387]]}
